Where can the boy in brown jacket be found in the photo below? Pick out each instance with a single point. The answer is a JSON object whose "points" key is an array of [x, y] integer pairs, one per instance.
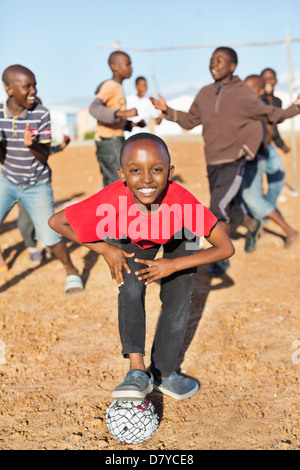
{"points": [[231, 115]]}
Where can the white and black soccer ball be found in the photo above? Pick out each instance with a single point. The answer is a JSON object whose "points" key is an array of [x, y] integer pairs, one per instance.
{"points": [[131, 422]]}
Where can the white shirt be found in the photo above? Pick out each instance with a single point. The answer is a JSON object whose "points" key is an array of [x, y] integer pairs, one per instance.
{"points": [[146, 111]]}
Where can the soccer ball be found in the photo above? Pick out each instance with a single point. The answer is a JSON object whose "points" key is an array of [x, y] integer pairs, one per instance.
{"points": [[131, 422]]}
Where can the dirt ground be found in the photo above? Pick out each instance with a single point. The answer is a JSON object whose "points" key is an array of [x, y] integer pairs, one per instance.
{"points": [[63, 354]]}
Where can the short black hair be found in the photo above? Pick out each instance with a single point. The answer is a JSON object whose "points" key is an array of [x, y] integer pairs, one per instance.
{"points": [[113, 57], [144, 136], [230, 52], [140, 78], [268, 69], [257, 78], [13, 70]]}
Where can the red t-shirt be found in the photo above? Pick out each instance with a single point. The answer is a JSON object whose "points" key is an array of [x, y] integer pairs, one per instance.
{"points": [[113, 213]]}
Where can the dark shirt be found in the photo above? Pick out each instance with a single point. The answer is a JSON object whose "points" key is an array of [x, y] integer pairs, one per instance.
{"points": [[278, 141], [262, 153]]}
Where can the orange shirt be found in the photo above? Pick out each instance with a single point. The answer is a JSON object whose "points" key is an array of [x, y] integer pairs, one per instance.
{"points": [[113, 96]]}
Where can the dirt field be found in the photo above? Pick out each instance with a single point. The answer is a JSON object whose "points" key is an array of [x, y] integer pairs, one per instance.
{"points": [[63, 354]]}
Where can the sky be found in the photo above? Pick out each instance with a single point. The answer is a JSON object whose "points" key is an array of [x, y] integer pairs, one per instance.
{"points": [[60, 41]]}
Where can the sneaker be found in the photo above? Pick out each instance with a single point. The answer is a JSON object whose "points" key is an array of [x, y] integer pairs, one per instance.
{"points": [[252, 238], [250, 223], [36, 258], [177, 387], [291, 239], [136, 385], [219, 268]]}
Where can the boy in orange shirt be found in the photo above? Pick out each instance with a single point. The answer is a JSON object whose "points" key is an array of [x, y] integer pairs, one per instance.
{"points": [[109, 108]]}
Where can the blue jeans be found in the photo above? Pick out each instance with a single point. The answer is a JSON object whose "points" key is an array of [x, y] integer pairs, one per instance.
{"points": [[251, 192], [39, 203], [275, 174], [26, 227]]}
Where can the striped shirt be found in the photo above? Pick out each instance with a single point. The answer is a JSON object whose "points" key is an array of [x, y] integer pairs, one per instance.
{"points": [[20, 166]]}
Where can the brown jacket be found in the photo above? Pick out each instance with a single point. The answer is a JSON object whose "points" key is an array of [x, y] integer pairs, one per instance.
{"points": [[231, 117]]}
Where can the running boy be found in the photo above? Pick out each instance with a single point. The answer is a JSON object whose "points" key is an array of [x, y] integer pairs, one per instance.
{"points": [[275, 168], [256, 202], [109, 108], [230, 114], [145, 210], [25, 131]]}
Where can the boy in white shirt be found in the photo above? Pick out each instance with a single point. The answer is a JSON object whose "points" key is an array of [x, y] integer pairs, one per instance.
{"points": [[145, 109]]}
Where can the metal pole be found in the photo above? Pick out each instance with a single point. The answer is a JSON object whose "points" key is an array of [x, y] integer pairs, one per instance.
{"points": [[293, 133]]}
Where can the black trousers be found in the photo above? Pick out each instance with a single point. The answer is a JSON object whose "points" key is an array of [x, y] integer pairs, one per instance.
{"points": [[176, 297], [224, 182]]}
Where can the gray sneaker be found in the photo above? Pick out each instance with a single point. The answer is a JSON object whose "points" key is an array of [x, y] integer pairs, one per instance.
{"points": [[176, 386], [136, 385], [252, 238]]}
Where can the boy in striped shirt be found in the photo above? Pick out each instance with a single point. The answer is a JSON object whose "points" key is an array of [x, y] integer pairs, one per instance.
{"points": [[25, 134]]}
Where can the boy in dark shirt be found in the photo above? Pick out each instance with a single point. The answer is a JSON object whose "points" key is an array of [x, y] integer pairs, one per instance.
{"points": [[275, 170], [253, 197]]}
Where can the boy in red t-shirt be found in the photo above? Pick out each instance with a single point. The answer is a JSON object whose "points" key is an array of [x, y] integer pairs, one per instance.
{"points": [[146, 210]]}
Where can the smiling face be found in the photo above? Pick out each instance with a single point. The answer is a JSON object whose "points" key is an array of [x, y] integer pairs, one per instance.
{"points": [[145, 170], [270, 79], [21, 90], [221, 66]]}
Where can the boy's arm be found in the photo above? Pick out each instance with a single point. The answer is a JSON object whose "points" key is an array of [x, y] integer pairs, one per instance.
{"points": [[277, 139], [114, 256], [272, 114], [107, 115], [60, 224], [60, 147], [2, 152], [279, 142], [40, 151], [222, 248], [187, 120]]}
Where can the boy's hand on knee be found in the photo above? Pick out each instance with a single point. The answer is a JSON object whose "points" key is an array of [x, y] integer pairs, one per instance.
{"points": [[156, 269], [117, 260]]}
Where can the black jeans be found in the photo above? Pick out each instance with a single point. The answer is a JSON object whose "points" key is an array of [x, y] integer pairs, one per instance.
{"points": [[108, 156], [176, 296], [224, 183]]}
